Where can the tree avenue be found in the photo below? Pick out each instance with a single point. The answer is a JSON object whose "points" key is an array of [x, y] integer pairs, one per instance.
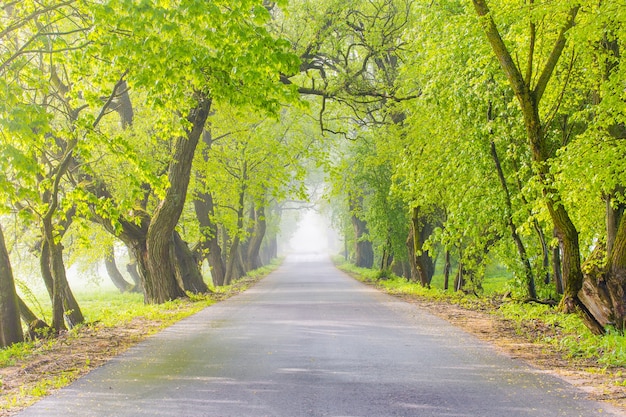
{"points": [[460, 133]]}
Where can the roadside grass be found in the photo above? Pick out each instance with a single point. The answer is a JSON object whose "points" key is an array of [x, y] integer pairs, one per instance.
{"points": [[565, 333], [105, 310]]}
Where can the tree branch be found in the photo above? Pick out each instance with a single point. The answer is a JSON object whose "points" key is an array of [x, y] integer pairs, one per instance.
{"points": [[548, 69]]}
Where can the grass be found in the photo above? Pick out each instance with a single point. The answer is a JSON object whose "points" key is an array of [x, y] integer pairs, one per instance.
{"points": [[562, 332]]}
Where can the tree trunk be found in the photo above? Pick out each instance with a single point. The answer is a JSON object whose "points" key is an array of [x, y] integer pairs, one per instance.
{"points": [[114, 273], [204, 207], [72, 312], [44, 266], [10, 324], [410, 248], [209, 244], [616, 277], [233, 267], [459, 279], [233, 259], [594, 293], [521, 249], [545, 252], [557, 269], [386, 260], [446, 269], [364, 252], [269, 250], [188, 267], [254, 246], [64, 305], [160, 283], [401, 268], [423, 263], [37, 328], [131, 268], [570, 258]]}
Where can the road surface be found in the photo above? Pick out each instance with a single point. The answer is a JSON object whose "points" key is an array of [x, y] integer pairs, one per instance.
{"points": [[310, 341]]}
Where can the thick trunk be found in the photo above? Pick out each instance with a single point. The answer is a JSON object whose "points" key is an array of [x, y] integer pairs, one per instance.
{"points": [[613, 219], [570, 257], [253, 260], [58, 321], [10, 324], [203, 204], [616, 279], [72, 312], [423, 263], [160, 284], [386, 260], [187, 267], [233, 265], [160, 281], [209, 244], [401, 268], [364, 252], [44, 266], [594, 293], [216, 263], [114, 273], [64, 305]]}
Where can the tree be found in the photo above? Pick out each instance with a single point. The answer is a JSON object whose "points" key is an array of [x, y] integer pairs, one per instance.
{"points": [[10, 324], [43, 140], [218, 53]]}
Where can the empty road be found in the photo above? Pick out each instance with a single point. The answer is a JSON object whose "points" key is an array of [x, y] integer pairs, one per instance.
{"points": [[310, 341]]}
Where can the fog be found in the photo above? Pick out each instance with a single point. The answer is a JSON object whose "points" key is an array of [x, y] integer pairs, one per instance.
{"points": [[312, 238]]}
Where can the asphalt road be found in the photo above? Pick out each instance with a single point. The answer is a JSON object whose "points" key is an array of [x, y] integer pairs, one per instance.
{"points": [[310, 341]]}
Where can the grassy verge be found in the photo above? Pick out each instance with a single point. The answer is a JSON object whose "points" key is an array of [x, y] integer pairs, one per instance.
{"points": [[564, 333], [31, 370]]}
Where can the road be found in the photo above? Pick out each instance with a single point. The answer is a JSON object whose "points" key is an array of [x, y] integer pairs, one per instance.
{"points": [[310, 341]]}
